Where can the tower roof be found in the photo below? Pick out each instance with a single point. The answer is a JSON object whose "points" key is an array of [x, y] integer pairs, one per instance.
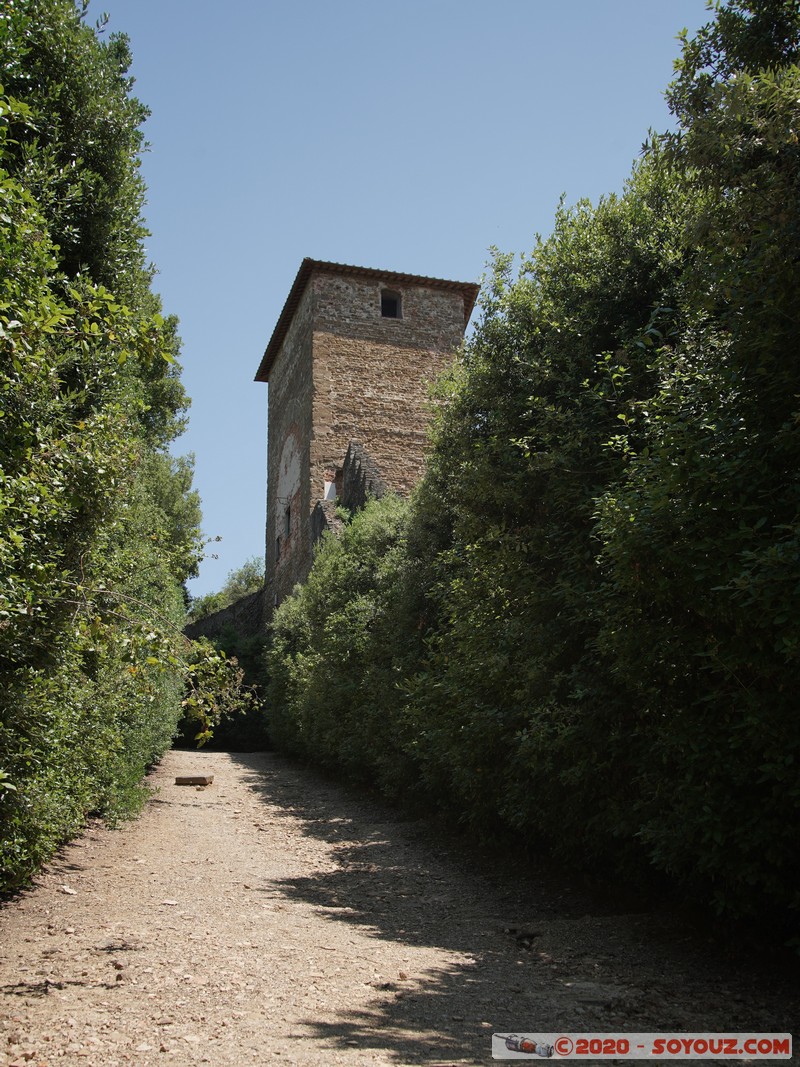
{"points": [[469, 291]]}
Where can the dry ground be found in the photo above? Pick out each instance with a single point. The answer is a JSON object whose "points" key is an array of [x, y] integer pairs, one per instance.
{"points": [[275, 918]]}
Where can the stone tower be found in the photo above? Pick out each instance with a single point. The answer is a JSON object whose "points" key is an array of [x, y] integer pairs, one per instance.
{"points": [[348, 366]]}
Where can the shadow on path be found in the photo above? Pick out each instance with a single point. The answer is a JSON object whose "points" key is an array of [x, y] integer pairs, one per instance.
{"points": [[528, 952]]}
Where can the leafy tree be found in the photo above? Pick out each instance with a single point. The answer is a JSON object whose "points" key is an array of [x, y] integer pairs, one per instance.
{"points": [[585, 631], [168, 481], [335, 662], [79, 154], [700, 539], [99, 525], [520, 455], [243, 732]]}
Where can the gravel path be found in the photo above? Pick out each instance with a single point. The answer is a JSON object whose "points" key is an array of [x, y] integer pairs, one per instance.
{"points": [[273, 917]]}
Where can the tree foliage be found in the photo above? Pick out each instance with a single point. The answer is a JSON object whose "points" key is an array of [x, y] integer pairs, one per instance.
{"points": [[333, 666], [700, 539], [244, 732], [100, 526], [586, 632]]}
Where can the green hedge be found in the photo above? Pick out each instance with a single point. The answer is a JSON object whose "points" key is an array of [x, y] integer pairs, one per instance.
{"points": [[99, 527], [584, 631]]}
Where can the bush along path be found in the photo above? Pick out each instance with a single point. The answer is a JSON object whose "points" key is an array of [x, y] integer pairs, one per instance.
{"points": [[274, 917]]}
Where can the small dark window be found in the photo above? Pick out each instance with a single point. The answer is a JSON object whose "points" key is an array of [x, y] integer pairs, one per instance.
{"points": [[287, 522], [391, 305], [277, 548]]}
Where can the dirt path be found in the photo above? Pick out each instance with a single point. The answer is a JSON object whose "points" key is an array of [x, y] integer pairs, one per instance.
{"points": [[274, 918]]}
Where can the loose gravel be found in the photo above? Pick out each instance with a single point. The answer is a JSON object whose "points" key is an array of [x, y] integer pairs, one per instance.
{"points": [[274, 917]]}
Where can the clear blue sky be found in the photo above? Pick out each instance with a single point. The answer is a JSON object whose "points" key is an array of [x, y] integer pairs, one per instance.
{"points": [[410, 136]]}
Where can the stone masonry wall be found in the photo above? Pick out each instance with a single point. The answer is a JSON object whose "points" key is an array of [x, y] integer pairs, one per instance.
{"points": [[288, 444], [245, 616], [371, 374]]}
